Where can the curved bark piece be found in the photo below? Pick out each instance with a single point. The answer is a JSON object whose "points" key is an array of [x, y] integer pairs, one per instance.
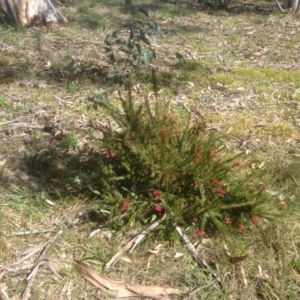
{"points": [[31, 12]]}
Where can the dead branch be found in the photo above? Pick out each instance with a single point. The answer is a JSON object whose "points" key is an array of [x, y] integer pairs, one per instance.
{"points": [[38, 262], [133, 243], [192, 249], [34, 231]]}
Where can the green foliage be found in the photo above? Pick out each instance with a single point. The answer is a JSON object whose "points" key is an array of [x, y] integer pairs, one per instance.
{"points": [[72, 87], [156, 160], [95, 99], [83, 9], [126, 53], [36, 163], [129, 51], [4, 104], [70, 141]]}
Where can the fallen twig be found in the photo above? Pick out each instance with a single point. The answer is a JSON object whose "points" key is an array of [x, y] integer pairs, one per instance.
{"points": [[197, 115], [192, 249], [34, 251], [9, 122], [245, 281], [60, 101], [133, 243], [24, 125], [37, 263], [3, 295], [53, 229], [191, 294], [22, 270]]}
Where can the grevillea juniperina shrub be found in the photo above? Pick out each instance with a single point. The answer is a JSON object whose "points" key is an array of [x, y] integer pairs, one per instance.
{"points": [[155, 160]]}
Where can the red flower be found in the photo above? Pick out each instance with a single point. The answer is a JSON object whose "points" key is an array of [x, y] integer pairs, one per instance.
{"points": [[255, 219], [194, 219], [201, 128], [111, 154], [124, 208], [126, 202], [239, 163], [241, 227], [222, 192], [201, 233], [156, 193], [159, 208], [214, 149], [217, 182], [228, 221], [283, 204], [198, 158]]}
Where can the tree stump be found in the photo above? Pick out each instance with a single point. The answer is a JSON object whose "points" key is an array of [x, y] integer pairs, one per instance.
{"points": [[31, 12]]}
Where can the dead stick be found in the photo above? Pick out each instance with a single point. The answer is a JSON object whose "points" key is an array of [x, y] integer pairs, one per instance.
{"points": [[3, 295], [116, 257], [17, 271], [34, 231], [192, 249], [191, 294], [133, 243], [38, 262], [139, 238], [22, 259]]}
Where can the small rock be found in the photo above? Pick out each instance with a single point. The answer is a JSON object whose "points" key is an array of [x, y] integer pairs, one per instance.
{"points": [[48, 127]]}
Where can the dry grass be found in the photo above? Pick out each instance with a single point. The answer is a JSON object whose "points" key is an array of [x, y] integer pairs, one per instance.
{"points": [[242, 76]]}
